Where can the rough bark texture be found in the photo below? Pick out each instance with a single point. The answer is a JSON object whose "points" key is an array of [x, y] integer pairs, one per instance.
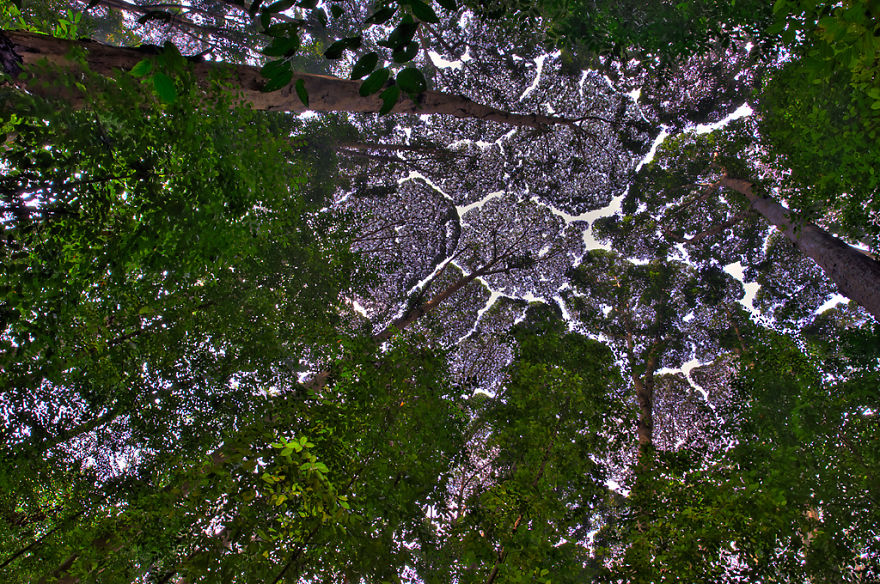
{"points": [[326, 94], [856, 274], [644, 387]]}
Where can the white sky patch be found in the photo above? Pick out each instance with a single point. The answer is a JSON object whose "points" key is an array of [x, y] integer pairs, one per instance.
{"points": [[358, 308], [417, 175], [539, 67], [635, 94], [690, 316], [831, 303], [751, 288], [615, 486], [442, 63], [566, 316], [529, 297], [650, 155], [742, 111], [462, 210], [584, 74], [493, 298]]}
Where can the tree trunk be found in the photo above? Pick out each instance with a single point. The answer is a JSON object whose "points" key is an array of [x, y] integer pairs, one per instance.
{"points": [[644, 387], [326, 93], [856, 274], [420, 310]]}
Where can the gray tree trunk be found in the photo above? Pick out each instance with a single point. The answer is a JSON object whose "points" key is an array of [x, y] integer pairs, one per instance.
{"points": [[856, 274]]}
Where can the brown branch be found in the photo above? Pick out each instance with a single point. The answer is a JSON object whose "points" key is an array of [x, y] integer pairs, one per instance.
{"points": [[326, 93]]}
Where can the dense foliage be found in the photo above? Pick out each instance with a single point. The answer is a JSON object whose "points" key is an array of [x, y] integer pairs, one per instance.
{"points": [[241, 346]]}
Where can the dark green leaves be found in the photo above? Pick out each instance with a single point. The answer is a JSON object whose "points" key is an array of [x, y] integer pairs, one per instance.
{"points": [[411, 81], [374, 82], [155, 15], [280, 6], [336, 10], [423, 12], [301, 92], [283, 29], [164, 87], [389, 98], [335, 50], [406, 53], [142, 68], [365, 65], [282, 47], [279, 73], [448, 4], [382, 16], [401, 35]]}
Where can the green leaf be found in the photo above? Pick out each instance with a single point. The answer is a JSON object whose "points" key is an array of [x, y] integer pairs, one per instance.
{"points": [[448, 5], [279, 6], [412, 81], [403, 34], [254, 8], [279, 79], [265, 19], [282, 47], [381, 16], [283, 29], [405, 54], [389, 99], [423, 12], [301, 92], [336, 10], [142, 68], [155, 15], [307, 3], [365, 65], [374, 82], [275, 68], [164, 86], [335, 50]]}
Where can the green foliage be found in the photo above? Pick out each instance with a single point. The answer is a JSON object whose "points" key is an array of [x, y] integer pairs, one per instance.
{"points": [[526, 501], [152, 286], [824, 129], [662, 30]]}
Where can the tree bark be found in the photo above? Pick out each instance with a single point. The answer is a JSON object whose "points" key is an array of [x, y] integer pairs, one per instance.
{"points": [[326, 93], [856, 274], [420, 310], [644, 387]]}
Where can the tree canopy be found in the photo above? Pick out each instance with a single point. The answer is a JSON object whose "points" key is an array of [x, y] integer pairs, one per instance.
{"points": [[484, 291]]}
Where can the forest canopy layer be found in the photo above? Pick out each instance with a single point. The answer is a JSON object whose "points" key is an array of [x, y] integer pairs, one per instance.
{"points": [[452, 291]]}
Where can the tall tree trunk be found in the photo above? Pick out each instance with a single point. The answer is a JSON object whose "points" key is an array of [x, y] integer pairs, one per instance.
{"points": [[644, 387], [326, 93], [856, 274]]}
